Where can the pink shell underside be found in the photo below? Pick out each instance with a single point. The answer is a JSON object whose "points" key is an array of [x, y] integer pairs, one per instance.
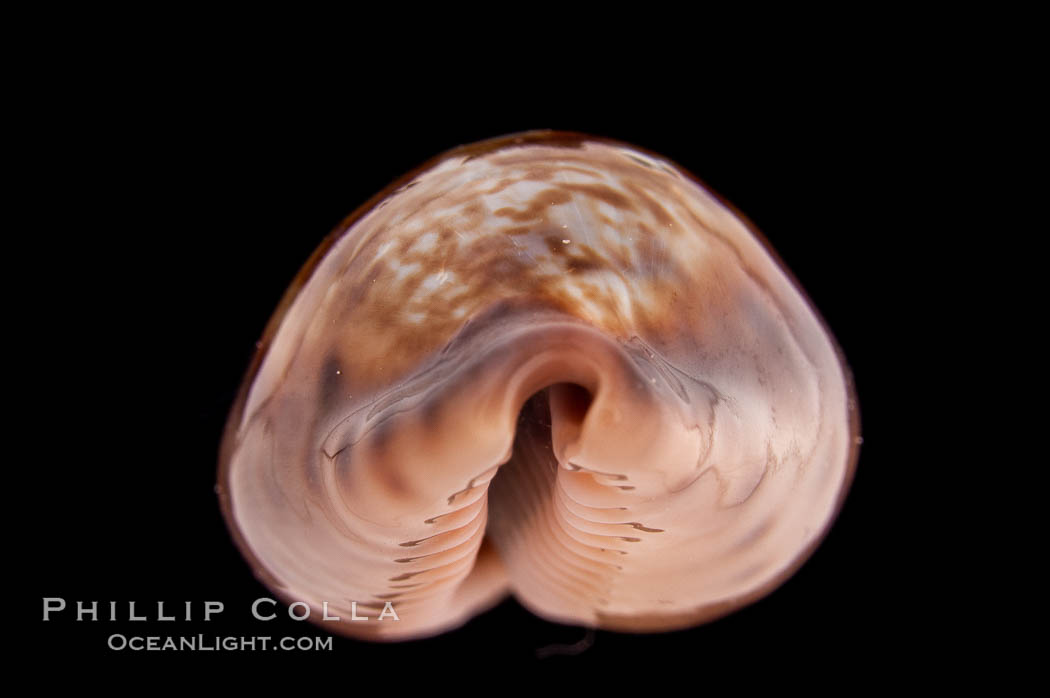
{"points": [[551, 366]]}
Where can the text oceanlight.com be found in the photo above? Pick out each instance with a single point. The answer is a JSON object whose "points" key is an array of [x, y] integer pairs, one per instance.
{"points": [[204, 643]]}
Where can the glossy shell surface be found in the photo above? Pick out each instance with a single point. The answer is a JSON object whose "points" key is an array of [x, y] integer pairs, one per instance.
{"points": [[547, 365]]}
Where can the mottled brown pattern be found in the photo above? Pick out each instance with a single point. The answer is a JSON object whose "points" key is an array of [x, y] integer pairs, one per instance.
{"points": [[468, 270]]}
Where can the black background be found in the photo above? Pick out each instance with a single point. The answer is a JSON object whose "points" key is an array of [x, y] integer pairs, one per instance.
{"points": [[180, 205]]}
